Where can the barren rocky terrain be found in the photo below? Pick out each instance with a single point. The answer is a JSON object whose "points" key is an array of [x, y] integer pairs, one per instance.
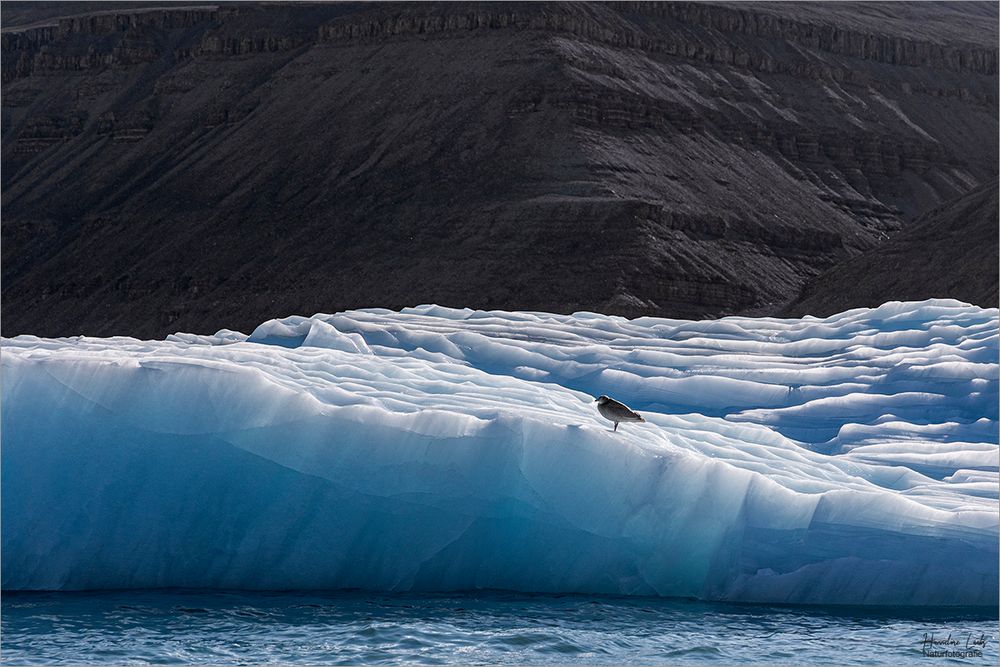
{"points": [[193, 167], [950, 250]]}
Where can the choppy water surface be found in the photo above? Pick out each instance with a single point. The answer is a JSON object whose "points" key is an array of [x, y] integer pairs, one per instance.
{"points": [[239, 628]]}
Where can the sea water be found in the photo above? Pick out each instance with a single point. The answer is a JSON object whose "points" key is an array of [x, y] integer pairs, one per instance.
{"points": [[228, 628]]}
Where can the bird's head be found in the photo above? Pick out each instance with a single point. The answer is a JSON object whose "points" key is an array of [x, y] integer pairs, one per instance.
{"points": [[602, 399]]}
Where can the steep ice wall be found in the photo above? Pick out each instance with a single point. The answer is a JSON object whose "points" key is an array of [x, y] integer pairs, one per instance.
{"points": [[847, 460]]}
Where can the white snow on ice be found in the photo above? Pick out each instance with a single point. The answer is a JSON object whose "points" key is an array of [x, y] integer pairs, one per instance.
{"points": [[850, 460]]}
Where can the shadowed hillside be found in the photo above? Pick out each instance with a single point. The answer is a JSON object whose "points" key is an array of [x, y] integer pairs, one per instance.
{"points": [[192, 168], [950, 251]]}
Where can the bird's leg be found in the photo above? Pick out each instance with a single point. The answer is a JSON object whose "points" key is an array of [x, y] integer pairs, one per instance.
{"points": [[616, 427]]}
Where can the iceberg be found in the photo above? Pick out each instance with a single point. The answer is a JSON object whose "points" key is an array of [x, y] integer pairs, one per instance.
{"points": [[846, 460]]}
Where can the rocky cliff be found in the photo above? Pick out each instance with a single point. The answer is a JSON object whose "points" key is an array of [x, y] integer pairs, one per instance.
{"points": [[193, 167], [949, 251]]}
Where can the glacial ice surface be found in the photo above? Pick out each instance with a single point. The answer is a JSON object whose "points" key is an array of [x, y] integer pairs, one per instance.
{"points": [[850, 460]]}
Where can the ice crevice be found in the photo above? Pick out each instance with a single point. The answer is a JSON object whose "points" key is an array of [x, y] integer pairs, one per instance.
{"points": [[845, 460]]}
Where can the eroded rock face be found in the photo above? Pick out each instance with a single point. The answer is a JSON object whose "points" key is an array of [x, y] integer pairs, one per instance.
{"points": [[195, 167], [951, 250]]}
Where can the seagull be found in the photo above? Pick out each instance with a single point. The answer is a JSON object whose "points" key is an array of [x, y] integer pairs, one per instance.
{"points": [[614, 411]]}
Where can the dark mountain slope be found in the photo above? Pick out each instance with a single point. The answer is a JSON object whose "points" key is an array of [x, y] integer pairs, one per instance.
{"points": [[952, 251], [197, 168], [19, 14]]}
